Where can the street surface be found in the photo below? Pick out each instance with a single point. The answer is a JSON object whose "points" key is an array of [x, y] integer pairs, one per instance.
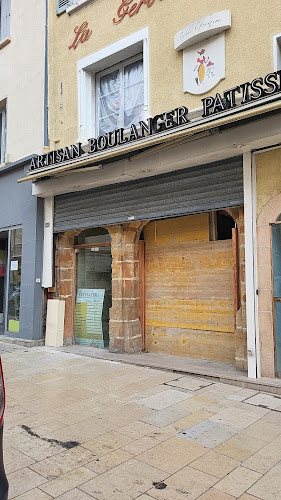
{"points": [[79, 428]]}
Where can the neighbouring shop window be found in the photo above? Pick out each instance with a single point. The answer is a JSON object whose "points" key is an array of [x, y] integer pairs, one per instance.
{"points": [[3, 267], [14, 280], [277, 52], [93, 287], [120, 96], [220, 226], [2, 133], [5, 9]]}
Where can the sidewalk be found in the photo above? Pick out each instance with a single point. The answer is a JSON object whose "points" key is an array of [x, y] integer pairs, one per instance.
{"points": [[79, 428], [221, 372]]}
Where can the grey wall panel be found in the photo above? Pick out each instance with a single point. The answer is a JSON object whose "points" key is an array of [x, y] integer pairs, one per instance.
{"points": [[19, 208], [208, 187]]}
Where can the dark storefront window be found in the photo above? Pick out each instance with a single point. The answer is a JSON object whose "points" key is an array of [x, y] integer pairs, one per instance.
{"points": [[14, 280]]}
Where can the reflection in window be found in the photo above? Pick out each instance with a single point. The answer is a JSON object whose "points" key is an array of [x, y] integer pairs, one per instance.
{"points": [[14, 280]]}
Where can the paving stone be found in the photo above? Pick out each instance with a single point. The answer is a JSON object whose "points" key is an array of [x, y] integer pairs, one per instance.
{"points": [[209, 434], [35, 494], [67, 482], [240, 446], [269, 486], [173, 454], [107, 443], [162, 418], [107, 462], [63, 463], [215, 464], [235, 418], [213, 494], [140, 445], [192, 419], [238, 481], [165, 399], [74, 494], [137, 429], [124, 482], [22, 481], [266, 430], [264, 459], [265, 400], [188, 484], [189, 383]]}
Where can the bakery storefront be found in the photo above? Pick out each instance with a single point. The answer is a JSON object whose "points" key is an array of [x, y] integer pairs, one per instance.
{"points": [[154, 263]]}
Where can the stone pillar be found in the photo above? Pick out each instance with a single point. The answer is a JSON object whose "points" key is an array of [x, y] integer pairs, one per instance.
{"points": [[64, 279], [241, 324], [125, 333]]}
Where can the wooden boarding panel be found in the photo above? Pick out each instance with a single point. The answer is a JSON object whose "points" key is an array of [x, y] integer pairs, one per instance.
{"points": [[189, 290]]}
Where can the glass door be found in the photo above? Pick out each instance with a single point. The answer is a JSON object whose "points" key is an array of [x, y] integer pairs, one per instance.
{"points": [[3, 274], [276, 259], [14, 280], [93, 289]]}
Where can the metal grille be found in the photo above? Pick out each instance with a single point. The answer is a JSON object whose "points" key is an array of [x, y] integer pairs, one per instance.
{"points": [[62, 5], [182, 192]]}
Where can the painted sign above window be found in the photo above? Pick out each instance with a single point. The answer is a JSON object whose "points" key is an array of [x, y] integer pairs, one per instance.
{"points": [[203, 45], [130, 8], [82, 33]]}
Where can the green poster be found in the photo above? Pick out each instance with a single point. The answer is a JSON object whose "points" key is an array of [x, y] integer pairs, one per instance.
{"points": [[88, 316]]}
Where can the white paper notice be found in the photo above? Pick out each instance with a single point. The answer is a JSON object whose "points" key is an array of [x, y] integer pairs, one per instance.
{"points": [[14, 265]]}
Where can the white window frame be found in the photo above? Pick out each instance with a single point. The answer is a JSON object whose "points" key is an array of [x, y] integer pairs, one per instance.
{"points": [[3, 118], [120, 66], [89, 66], [5, 14], [277, 52]]}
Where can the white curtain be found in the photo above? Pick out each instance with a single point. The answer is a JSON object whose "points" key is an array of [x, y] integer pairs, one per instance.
{"points": [[133, 93], [121, 97]]}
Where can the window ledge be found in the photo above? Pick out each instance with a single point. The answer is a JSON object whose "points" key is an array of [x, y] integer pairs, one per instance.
{"points": [[4, 42], [78, 5]]}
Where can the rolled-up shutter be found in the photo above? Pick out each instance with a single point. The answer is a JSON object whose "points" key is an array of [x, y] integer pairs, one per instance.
{"points": [[192, 190], [62, 5]]}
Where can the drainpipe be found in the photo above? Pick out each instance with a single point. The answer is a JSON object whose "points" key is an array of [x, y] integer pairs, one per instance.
{"points": [[46, 134]]}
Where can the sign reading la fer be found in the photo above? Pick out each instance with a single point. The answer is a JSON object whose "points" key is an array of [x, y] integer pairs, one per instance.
{"points": [[248, 92], [130, 8]]}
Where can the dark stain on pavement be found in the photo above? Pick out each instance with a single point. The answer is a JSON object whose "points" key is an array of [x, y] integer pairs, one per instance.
{"points": [[159, 486], [68, 444]]}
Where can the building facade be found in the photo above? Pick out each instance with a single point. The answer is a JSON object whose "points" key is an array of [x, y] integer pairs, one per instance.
{"points": [[159, 118], [22, 93]]}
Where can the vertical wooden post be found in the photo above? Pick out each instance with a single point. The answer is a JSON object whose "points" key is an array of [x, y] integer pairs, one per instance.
{"points": [[235, 252], [142, 289]]}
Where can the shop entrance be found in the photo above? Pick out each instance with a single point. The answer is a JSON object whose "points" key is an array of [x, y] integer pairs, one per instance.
{"points": [[276, 260], [3, 282], [93, 287]]}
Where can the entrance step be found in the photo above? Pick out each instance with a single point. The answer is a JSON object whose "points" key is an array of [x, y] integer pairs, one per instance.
{"points": [[20, 341], [225, 373]]}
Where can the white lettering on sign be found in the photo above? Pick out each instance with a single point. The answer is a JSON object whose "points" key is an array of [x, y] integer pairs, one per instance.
{"points": [[203, 28]]}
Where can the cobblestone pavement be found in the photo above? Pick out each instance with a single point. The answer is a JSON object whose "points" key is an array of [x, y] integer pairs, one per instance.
{"points": [[79, 428]]}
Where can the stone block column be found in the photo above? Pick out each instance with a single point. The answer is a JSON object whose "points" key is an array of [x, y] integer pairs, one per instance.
{"points": [[125, 333]]}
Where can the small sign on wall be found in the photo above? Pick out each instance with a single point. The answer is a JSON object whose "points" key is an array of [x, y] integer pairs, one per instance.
{"points": [[204, 65]]}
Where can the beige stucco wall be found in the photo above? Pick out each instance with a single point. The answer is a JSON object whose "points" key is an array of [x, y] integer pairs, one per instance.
{"points": [[22, 79], [268, 177], [253, 26]]}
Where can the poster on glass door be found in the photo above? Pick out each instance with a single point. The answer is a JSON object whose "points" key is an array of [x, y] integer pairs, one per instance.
{"points": [[88, 317]]}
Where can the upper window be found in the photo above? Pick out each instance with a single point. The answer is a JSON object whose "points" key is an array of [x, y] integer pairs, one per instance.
{"points": [[5, 9], [120, 96], [113, 86], [2, 133], [277, 52], [62, 5]]}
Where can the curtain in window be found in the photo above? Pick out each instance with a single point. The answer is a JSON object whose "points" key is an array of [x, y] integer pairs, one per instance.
{"points": [[133, 93], [121, 98], [109, 102]]}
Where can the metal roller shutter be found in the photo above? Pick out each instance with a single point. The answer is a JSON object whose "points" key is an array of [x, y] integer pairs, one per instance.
{"points": [[197, 189]]}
